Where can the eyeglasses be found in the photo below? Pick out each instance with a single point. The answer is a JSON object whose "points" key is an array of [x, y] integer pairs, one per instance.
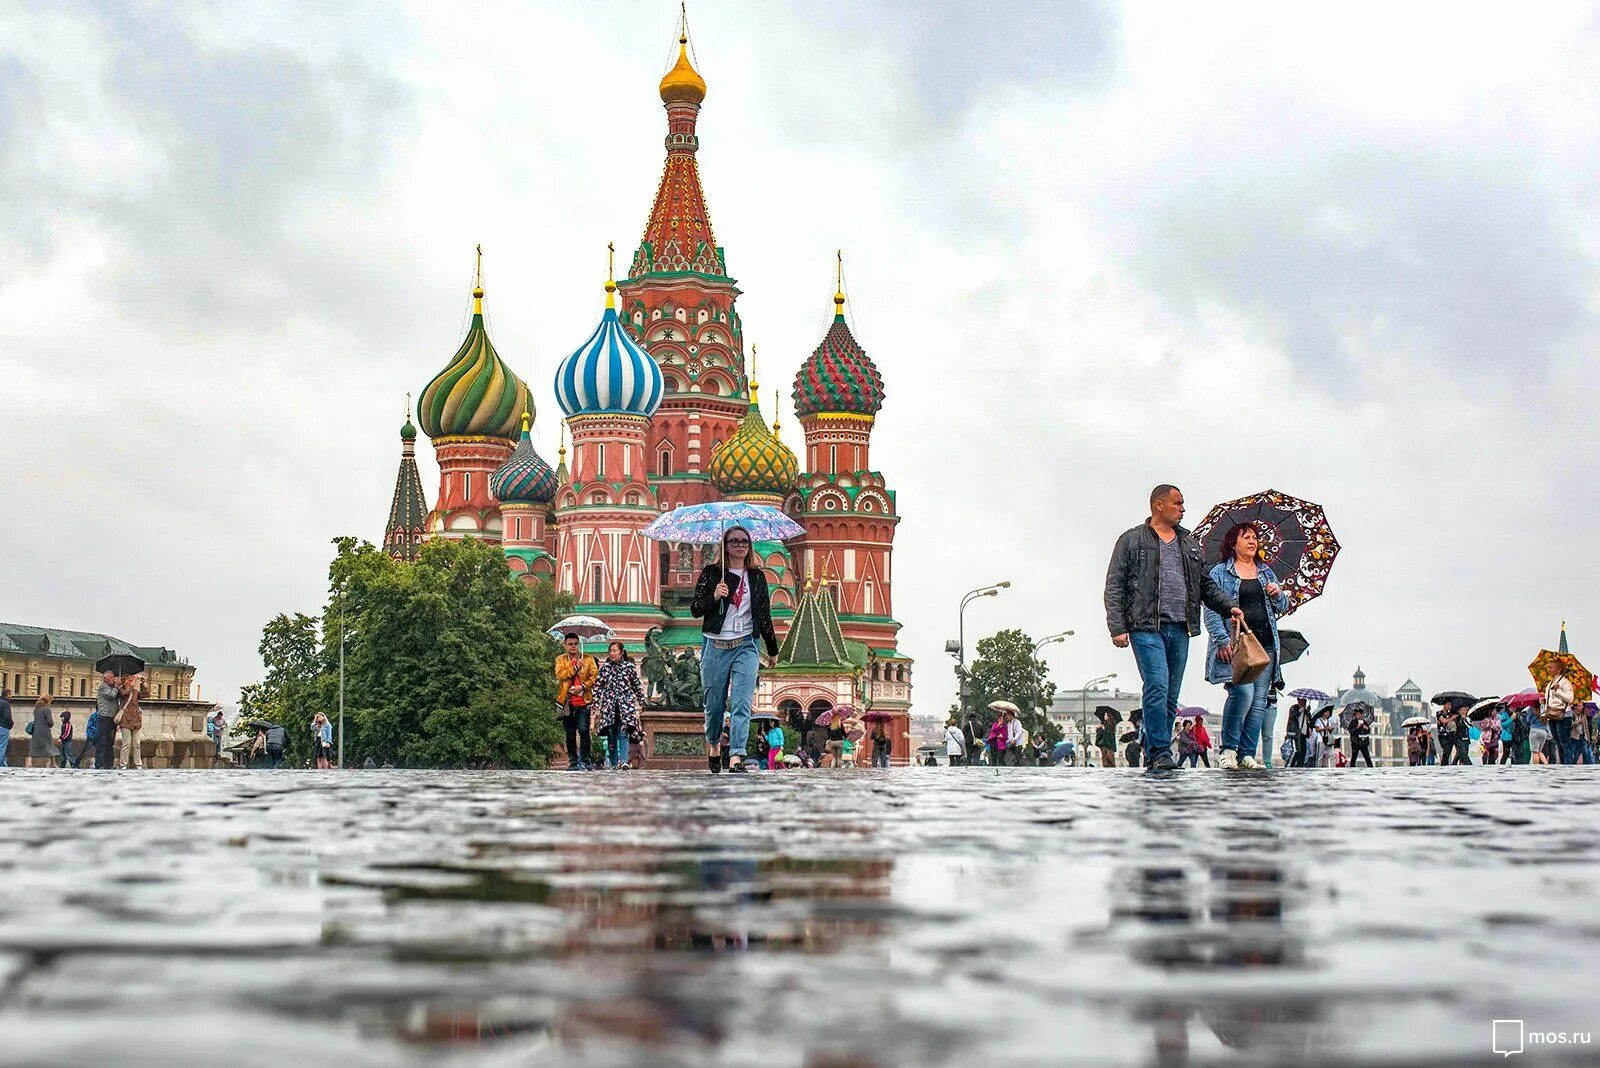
{"points": [[737, 541]]}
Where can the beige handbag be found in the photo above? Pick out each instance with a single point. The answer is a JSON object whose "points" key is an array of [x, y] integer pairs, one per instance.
{"points": [[1249, 658]]}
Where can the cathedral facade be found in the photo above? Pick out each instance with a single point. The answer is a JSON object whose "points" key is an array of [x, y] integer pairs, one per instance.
{"points": [[663, 410]]}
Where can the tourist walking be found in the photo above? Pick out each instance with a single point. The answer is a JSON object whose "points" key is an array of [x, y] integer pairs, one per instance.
{"points": [[1155, 585], [618, 691], [216, 730], [66, 738], [1360, 738], [1188, 745], [996, 740], [6, 723], [1105, 740], [103, 729], [734, 607], [130, 721], [1295, 731], [775, 741], [1513, 736], [1453, 737], [1558, 697], [955, 746], [882, 744], [322, 740], [1417, 746], [1016, 739], [1489, 735], [576, 672], [42, 751], [1244, 579], [1202, 738]]}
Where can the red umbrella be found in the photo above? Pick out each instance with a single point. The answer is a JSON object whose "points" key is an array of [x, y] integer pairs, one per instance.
{"points": [[1524, 699], [872, 717], [1295, 539]]}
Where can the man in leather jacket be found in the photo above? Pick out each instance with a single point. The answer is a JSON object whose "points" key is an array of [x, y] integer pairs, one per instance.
{"points": [[1154, 587]]}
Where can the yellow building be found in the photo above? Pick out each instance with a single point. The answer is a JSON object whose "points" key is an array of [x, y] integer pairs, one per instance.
{"points": [[42, 660]]}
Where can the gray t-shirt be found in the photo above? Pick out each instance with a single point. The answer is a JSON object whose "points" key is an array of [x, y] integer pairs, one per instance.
{"points": [[1174, 586], [106, 701]]}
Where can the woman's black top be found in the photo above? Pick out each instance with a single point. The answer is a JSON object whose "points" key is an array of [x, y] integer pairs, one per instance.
{"points": [[1253, 601], [836, 733]]}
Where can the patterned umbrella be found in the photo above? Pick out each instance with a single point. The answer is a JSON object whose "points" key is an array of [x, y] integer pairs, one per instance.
{"points": [[1193, 712], [1547, 665], [873, 717], [585, 627], [844, 712], [704, 524], [1295, 539], [1308, 694]]}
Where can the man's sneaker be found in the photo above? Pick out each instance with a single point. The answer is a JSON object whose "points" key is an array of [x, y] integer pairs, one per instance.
{"points": [[1164, 762], [1250, 763], [1229, 761]]}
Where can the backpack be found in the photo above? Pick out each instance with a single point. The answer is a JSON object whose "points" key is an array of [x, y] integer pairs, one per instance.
{"points": [[92, 730]]}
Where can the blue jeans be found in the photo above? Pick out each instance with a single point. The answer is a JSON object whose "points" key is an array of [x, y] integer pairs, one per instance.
{"points": [[1161, 656], [1568, 748], [1244, 712], [1268, 721], [617, 755], [5, 747], [729, 678]]}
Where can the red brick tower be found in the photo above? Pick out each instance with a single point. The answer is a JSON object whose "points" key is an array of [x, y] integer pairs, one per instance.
{"points": [[678, 303]]}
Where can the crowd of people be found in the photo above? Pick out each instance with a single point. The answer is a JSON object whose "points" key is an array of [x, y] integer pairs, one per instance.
{"points": [[113, 731]]}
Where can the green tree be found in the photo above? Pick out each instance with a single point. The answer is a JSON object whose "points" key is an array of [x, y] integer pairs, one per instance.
{"points": [[1007, 670], [447, 662]]}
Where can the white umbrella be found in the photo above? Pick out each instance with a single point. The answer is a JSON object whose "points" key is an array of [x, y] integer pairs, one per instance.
{"points": [[1004, 706], [1416, 721], [585, 627]]}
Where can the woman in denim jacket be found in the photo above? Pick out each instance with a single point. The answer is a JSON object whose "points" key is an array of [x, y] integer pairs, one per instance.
{"points": [[1256, 590]]}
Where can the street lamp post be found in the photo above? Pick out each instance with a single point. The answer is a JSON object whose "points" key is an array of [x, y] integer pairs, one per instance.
{"points": [[341, 674], [1041, 643], [961, 638]]}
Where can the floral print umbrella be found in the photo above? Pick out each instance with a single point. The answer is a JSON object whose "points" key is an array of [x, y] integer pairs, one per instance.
{"points": [[1295, 539], [1547, 665]]}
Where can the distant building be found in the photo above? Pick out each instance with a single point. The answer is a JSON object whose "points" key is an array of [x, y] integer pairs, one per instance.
{"points": [[44, 660], [1388, 740], [1072, 709]]}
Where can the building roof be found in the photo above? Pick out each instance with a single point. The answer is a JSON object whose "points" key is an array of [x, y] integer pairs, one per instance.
{"points": [[524, 478], [754, 461], [476, 394], [408, 510], [838, 376], [609, 373], [814, 636], [79, 645]]}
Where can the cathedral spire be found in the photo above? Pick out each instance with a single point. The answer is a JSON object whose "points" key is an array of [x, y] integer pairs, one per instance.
{"points": [[678, 238], [408, 510]]}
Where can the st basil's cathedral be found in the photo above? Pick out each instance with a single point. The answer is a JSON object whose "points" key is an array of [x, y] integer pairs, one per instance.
{"points": [[663, 412]]}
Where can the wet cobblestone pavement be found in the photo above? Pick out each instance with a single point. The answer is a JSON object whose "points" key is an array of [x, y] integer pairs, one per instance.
{"points": [[924, 916]]}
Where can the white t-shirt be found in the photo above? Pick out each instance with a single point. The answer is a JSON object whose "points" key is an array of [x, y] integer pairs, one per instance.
{"points": [[738, 622], [954, 744]]}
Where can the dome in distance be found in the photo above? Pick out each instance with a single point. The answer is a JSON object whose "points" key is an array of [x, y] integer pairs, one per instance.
{"points": [[524, 478], [754, 462], [838, 376], [476, 395], [609, 374], [682, 84]]}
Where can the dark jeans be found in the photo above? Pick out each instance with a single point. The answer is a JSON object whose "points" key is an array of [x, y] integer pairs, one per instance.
{"points": [[1161, 657], [1360, 750], [880, 756], [274, 758], [105, 742], [576, 724], [1566, 745], [67, 759], [1508, 752]]}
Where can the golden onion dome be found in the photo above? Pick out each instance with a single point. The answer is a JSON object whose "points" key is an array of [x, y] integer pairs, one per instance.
{"points": [[754, 462], [683, 84]]}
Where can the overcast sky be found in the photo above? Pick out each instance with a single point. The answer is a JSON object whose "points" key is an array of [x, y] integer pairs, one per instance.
{"points": [[1349, 253]]}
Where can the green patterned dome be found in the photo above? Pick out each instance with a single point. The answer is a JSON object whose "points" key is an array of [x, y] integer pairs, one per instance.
{"points": [[476, 395], [755, 461]]}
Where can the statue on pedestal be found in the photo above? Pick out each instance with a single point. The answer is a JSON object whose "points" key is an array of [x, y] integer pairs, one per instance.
{"points": [[657, 670], [684, 691]]}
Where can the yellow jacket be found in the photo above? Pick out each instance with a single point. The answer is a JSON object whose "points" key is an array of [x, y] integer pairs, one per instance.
{"points": [[583, 673]]}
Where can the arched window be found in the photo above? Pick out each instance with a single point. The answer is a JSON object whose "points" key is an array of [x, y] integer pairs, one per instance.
{"points": [[664, 464], [600, 461], [670, 385], [599, 584], [710, 388], [818, 707], [833, 459]]}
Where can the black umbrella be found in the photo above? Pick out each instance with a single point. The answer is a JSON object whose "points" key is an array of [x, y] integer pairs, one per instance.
{"points": [[768, 716], [1294, 538], [1454, 697], [1347, 715], [1292, 645], [1106, 712], [120, 664]]}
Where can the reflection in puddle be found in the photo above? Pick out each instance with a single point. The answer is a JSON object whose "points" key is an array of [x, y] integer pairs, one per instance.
{"points": [[929, 916]]}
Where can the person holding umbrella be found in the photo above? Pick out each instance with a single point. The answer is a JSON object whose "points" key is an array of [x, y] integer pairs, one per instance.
{"points": [[1155, 584], [1360, 731], [575, 673], [130, 720], [1242, 576], [1105, 735], [732, 601]]}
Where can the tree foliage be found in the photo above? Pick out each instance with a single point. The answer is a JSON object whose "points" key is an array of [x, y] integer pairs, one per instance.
{"points": [[447, 663], [1007, 670]]}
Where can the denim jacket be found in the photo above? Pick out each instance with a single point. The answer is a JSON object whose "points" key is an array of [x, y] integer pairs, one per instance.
{"points": [[1217, 628]]}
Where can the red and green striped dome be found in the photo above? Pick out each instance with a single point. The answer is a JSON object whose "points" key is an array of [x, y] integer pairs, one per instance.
{"points": [[839, 376], [476, 395]]}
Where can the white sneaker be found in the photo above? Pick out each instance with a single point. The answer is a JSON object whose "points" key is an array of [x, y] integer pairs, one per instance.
{"points": [[1250, 763], [1228, 761]]}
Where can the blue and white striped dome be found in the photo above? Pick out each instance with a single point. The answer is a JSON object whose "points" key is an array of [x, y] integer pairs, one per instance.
{"points": [[609, 373]]}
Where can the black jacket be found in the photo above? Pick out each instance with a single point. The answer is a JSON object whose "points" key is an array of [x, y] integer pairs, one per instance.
{"points": [[711, 610], [1133, 583]]}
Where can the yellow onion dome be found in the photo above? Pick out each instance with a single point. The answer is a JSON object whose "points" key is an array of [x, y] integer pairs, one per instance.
{"points": [[683, 84], [476, 395], [754, 462]]}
